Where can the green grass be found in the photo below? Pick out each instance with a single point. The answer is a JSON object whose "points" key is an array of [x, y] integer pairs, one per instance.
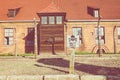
{"points": [[26, 54], [10, 54], [112, 53], [6, 54], [82, 53]]}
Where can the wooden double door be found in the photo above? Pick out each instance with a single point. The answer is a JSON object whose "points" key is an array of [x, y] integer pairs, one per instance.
{"points": [[51, 39]]}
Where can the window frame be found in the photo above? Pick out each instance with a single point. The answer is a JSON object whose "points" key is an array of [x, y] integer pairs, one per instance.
{"points": [[96, 13], [58, 20], [46, 21], [79, 34], [11, 13], [30, 37], [102, 37], [31, 29], [118, 35], [9, 42], [53, 22]]}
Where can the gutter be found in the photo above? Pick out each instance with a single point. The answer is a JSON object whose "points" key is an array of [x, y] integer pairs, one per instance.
{"points": [[6, 21], [105, 20]]}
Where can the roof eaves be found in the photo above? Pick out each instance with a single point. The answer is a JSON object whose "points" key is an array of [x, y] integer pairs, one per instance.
{"points": [[6, 21], [105, 20]]}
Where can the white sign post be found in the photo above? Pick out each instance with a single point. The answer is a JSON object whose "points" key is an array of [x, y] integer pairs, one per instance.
{"points": [[72, 43]]}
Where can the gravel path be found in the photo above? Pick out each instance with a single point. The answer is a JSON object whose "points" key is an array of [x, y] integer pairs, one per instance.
{"points": [[84, 64]]}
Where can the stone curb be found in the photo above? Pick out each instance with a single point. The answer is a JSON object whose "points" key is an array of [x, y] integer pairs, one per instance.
{"points": [[62, 77], [90, 77], [59, 77]]}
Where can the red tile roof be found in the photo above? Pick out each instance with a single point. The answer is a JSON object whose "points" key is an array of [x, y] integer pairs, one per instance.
{"points": [[51, 8], [75, 9]]}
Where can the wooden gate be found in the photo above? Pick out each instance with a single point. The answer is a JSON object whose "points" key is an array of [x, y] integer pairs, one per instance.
{"points": [[51, 38]]}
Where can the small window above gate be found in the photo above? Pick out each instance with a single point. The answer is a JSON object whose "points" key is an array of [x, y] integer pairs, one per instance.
{"points": [[52, 18]]}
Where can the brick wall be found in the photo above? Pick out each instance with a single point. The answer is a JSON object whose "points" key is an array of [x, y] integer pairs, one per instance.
{"points": [[88, 37], [20, 34]]}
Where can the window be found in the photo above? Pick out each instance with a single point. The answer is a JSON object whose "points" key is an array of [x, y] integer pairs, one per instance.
{"points": [[51, 20], [102, 36], [11, 13], [8, 36], [30, 30], [118, 35], [77, 32], [96, 13], [30, 37], [58, 19], [44, 20]]}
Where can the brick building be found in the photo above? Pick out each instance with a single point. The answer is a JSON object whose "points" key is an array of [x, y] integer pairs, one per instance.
{"points": [[45, 26]]}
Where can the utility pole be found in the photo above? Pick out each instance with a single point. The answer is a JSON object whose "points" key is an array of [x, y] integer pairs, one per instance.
{"points": [[99, 37], [114, 38], [15, 43], [35, 39]]}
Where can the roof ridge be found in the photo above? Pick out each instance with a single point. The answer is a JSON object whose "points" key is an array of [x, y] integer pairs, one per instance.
{"points": [[52, 7]]}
